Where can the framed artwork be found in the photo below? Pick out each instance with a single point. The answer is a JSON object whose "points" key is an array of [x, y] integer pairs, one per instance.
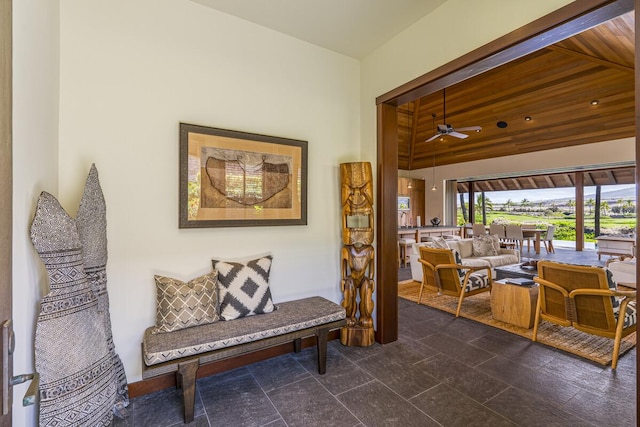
{"points": [[238, 179]]}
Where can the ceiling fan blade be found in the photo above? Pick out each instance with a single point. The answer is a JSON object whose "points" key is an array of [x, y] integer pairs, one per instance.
{"points": [[470, 128], [432, 138], [458, 135]]}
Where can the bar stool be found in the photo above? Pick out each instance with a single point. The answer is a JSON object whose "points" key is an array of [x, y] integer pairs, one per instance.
{"points": [[404, 245]]}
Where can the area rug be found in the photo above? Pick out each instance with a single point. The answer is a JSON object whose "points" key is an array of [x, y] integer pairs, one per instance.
{"points": [[478, 308]]}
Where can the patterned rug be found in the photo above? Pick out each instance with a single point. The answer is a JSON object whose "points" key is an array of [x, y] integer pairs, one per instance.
{"points": [[478, 308]]}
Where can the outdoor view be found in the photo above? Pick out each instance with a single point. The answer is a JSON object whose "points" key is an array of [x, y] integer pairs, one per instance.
{"points": [[616, 214]]}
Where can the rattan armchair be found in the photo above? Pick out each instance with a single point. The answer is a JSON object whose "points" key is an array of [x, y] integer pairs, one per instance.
{"points": [[587, 299], [443, 272]]}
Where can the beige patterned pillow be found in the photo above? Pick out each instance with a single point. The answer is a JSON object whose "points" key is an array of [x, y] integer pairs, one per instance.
{"points": [[483, 246], [181, 305]]}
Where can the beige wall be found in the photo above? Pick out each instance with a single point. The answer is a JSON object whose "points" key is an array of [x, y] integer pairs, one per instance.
{"points": [[128, 77], [35, 168]]}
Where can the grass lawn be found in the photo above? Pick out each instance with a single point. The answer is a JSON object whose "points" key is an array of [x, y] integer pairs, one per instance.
{"points": [[565, 224]]}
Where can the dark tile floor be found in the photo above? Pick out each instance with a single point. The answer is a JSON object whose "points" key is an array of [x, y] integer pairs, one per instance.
{"points": [[442, 371]]}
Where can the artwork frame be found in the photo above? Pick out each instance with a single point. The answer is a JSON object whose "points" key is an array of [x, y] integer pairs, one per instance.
{"points": [[231, 178]]}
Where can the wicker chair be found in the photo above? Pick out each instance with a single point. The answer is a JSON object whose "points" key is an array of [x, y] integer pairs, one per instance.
{"points": [[443, 272], [587, 299]]}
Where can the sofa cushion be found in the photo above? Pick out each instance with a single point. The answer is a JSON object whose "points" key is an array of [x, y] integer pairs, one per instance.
{"points": [[476, 262], [500, 260], [463, 246], [630, 315], [477, 281], [624, 272]]}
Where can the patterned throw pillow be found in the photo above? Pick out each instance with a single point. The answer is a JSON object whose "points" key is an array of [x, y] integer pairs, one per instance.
{"points": [[243, 287], [181, 305], [439, 242], [484, 246]]}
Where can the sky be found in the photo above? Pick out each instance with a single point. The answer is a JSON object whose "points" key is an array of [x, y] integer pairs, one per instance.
{"points": [[547, 194]]}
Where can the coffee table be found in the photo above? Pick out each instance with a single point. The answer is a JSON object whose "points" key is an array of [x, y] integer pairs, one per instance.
{"points": [[514, 270], [514, 304]]}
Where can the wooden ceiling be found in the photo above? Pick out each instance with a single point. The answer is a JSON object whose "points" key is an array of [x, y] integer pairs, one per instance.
{"points": [[553, 86], [612, 176]]}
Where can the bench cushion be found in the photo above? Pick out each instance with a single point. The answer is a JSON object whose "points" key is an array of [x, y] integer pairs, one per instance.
{"points": [[288, 317]]}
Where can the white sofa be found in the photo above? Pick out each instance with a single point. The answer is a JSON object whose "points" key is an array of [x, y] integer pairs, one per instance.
{"points": [[465, 248], [624, 271]]}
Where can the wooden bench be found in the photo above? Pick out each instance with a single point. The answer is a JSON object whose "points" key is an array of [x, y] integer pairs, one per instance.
{"points": [[185, 350]]}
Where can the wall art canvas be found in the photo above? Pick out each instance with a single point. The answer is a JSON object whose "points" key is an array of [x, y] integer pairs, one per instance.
{"points": [[235, 179]]}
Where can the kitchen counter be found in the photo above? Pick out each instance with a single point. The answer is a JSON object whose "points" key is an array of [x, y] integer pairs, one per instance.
{"points": [[419, 232]]}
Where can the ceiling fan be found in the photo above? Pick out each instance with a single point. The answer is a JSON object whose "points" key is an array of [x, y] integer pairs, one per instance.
{"points": [[447, 129]]}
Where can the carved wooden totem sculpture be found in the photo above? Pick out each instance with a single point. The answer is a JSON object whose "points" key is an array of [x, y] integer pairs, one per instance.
{"points": [[358, 258]]}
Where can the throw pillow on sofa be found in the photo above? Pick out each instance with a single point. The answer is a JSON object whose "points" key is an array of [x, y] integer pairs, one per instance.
{"points": [[438, 242], [484, 246], [463, 246]]}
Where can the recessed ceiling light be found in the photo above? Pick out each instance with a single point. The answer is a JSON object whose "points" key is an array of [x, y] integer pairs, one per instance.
{"points": [[502, 124], [527, 118], [595, 102]]}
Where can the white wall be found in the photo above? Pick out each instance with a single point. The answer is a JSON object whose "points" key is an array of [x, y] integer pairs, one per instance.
{"points": [[130, 72], [35, 168]]}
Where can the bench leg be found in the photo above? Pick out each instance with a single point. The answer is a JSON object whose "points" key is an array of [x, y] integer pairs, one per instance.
{"points": [[321, 343], [297, 345], [186, 378]]}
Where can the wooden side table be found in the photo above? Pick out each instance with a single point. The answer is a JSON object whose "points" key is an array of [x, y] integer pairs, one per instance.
{"points": [[514, 304]]}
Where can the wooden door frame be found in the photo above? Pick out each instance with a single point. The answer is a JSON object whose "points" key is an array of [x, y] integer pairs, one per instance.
{"points": [[6, 185], [556, 26]]}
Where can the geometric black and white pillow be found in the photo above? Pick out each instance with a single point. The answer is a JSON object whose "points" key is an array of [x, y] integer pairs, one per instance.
{"points": [[243, 287]]}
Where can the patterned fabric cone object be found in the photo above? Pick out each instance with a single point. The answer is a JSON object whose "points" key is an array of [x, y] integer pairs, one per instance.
{"points": [[91, 222], [77, 375]]}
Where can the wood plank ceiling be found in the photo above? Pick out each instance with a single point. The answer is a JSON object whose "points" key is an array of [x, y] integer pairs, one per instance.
{"points": [[554, 87]]}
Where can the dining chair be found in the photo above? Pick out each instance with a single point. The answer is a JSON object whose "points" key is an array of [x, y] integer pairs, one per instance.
{"points": [[514, 234], [468, 230], [548, 239], [479, 230], [501, 232], [528, 237]]}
